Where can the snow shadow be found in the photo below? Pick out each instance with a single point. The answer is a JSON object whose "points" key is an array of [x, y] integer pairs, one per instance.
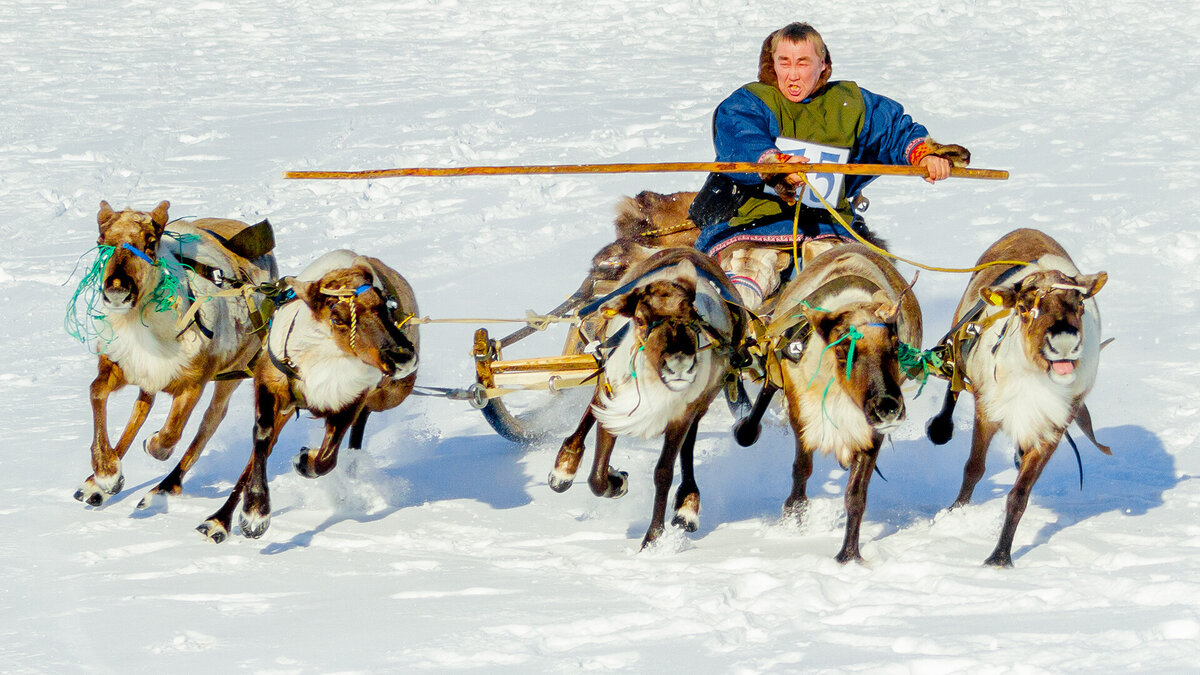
{"points": [[484, 468], [1131, 482], [919, 480]]}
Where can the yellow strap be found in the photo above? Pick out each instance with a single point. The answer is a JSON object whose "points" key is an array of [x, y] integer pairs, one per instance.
{"points": [[842, 221]]}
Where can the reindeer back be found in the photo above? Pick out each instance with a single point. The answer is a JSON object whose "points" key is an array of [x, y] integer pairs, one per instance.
{"points": [[844, 266]]}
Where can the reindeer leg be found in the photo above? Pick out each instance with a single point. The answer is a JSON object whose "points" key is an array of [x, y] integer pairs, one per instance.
{"points": [[358, 429], [1033, 461], [162, 443], [747, 429], [606, 481], [856, 500], [315, 463], [106, 479], [664, 471], [940, 428], [271, 414], [216, 527], [687, 496], [797, 502], [566, 463], [981, 438], [172, 484]]}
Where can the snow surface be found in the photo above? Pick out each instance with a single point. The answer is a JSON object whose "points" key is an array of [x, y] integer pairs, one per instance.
{"points": [[440, 547]]}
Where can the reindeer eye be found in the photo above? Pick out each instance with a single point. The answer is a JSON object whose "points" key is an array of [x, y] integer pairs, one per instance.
{"points": [[337, 320]]}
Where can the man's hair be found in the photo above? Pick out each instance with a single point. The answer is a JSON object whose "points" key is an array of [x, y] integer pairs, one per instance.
{"points": [[793, 32]]}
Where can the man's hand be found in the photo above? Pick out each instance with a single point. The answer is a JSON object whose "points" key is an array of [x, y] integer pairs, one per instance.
{"points": [[794, 179], [938, 168], [784, 184]]}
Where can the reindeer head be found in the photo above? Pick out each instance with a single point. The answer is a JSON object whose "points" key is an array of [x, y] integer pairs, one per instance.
{"points": [[1050, 306], [134, 235], [363, 322], [666, 328], [863, 340]]}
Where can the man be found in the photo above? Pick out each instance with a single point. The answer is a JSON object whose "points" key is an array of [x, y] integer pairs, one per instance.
{"points": [[793, 113]]}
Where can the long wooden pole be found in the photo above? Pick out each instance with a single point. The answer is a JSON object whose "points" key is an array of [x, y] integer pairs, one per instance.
{"points": [[651, 167]]}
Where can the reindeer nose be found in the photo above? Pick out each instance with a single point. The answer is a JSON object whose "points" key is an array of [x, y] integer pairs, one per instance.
{"points": [[679, 367], [885, 410], [117, 293], [1062, 342]]}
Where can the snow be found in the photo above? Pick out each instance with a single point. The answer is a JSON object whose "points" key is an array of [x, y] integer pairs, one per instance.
{"points": [[439, 546]]}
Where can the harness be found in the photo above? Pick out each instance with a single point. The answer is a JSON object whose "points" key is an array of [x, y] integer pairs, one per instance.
{"points": [[955, 347], [785, 337], [286, 295]]}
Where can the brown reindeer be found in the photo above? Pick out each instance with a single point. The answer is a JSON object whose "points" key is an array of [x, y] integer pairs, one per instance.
{"points": [[1027, 341], [838, 328], [668, 344], [342, 349], [145, 346]]}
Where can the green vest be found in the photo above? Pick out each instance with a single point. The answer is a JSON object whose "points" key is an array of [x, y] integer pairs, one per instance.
{"points": [[834, 117]]}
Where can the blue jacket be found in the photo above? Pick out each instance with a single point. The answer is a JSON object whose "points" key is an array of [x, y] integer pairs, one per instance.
{"points": [[745, 126]]}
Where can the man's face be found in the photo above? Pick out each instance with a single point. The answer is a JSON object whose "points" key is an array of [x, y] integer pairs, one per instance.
{"points": [[798, 68]]}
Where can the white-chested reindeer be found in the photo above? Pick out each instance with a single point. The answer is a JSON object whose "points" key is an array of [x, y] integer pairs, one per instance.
{"points": [[141, 342], [1027, 340], [343, 348], [837, 333], [674, 332]]}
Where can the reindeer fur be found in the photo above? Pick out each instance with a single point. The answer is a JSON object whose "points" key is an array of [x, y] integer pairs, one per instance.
{"points": [[147, 349], [1017, 387], [322, 362], [658, 401]]}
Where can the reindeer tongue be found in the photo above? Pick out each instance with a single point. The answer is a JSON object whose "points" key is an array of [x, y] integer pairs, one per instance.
{"points": [[1063, 367]]}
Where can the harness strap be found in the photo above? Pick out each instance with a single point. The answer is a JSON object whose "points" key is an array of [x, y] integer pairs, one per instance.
{"points": [[954, 348], [594, 305]]}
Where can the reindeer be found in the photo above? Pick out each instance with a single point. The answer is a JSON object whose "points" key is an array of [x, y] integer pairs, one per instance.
{"points": [[342, 348], [669, 345], [142, 344], [836, 339], [1026, 342]]}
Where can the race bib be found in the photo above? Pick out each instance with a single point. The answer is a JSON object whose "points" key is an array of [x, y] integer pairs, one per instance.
{"points": [[828, 185]]}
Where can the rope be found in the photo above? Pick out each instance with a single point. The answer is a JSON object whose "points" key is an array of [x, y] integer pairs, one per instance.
{"points": [[842, 221], [84, 308], [533, 320], [918, 364], [83, 315]]}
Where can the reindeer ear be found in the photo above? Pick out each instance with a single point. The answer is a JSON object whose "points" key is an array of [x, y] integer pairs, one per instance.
{"points": [[367, 272], [106, 213], [998, 296], [819, 319], [309, 292], [1092, 282], [888, 310], [159, 215]]}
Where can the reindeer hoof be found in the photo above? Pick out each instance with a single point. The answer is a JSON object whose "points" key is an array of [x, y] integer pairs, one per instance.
{"points": [[940, 430], [745, 432], [849, 556], [652, 536], [93, 493], [618, 484], [308, 467], [153, 498], [687, 513], [1002, 559], [793, 512], [253, 525], [155, 450], [213, 530], [559, 483]]}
